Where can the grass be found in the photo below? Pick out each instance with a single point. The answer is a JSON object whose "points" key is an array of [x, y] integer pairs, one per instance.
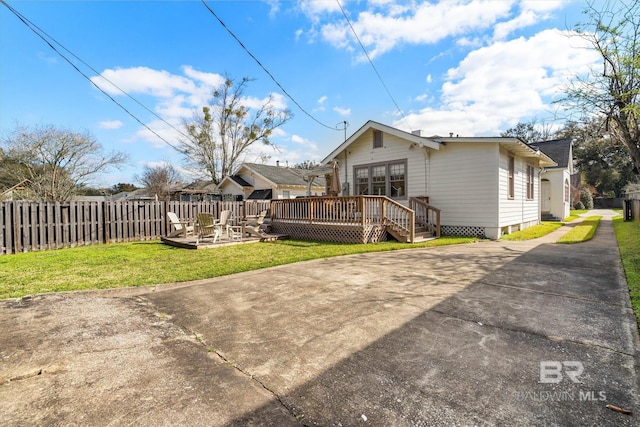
{"points": [[571, 218], [533, 232], [150, 263], [582, 232], [578, 212], [628, 235]]}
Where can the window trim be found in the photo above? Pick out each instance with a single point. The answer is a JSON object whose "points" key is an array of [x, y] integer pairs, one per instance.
{"points": [[387, 164]]}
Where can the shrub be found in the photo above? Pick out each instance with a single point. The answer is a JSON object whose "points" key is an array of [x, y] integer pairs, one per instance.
{"points": [[586, 198], [579, 206]]}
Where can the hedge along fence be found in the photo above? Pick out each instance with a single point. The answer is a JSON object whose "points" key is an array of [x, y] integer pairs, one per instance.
{"points": [[33, 226]]}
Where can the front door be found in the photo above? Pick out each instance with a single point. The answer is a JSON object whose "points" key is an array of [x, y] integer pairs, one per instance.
{"points": [[545, 196]]}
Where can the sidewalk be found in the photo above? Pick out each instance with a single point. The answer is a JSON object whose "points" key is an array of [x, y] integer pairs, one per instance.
{"points": [[490, 333]]}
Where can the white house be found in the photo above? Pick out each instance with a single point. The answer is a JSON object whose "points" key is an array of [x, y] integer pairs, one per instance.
{"points": [[256, 181], [484, 186], [555, 181]]}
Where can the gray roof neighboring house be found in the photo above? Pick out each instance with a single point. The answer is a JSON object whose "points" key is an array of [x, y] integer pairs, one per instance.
{"points": [[282, 175], [558, 149]]}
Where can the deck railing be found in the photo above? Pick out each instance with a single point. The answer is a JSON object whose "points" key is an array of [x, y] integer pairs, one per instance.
{"points": [[350, 210], [426, 215]]}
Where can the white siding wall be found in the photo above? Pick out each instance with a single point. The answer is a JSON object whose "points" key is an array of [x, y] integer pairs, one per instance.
{"points": [[518, 211], [463, 179], [361, 152], [556, 177]]}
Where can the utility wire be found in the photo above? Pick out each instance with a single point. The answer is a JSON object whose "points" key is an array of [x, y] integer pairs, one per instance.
{"points": [[40, 33], [372, 64], [204, 2]]}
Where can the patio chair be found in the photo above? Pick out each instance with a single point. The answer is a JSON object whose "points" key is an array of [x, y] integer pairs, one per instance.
{"points": [[209, 226], [253, 226], [181, 228]]}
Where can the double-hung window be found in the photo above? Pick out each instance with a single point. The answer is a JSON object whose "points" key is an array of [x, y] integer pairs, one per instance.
{"points": [[512, 178], [382, 179], [530, 182]]}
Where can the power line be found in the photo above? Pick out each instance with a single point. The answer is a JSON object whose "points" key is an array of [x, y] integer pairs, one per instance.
{"points": [[41, 34], [204, 2], [372, 64]]}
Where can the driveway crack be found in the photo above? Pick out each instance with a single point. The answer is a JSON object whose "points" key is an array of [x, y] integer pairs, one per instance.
{"points": [[534, 333]]}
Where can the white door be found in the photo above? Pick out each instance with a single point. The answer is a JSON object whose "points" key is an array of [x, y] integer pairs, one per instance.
{"points": [[545, 196]]}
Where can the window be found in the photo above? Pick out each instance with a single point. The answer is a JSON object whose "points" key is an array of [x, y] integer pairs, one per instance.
{"points": [[377, 139], [382, 179], [566, 190], [512, 169], [362, 180], [379, 180], [530, 182], [397, 179], [286, 194]]}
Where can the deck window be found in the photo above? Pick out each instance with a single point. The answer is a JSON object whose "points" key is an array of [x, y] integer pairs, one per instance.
{"points": [[397, 179], [362, 180], [379, 180], [382, 179], [512, 169], [530, 182], [377, 139]]}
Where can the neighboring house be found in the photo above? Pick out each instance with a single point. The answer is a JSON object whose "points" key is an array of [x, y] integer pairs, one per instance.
{"points": [[262, 182], [555, 181], [484, 186]]}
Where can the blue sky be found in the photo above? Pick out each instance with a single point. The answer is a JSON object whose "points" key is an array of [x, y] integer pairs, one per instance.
{"points": [[474, 68]]}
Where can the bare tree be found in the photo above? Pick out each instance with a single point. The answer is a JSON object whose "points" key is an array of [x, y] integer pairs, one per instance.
{"points": [[56, 162], [158, 179], [612, 30], [220, 136], [530, 131]]}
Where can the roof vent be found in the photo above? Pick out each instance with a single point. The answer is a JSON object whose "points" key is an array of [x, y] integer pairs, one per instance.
{"points": [[416, 132]]}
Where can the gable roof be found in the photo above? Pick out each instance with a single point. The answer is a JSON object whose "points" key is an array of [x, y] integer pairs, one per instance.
{"points": [[281, 175], [416, 139], [558, 149], [241, 182]]}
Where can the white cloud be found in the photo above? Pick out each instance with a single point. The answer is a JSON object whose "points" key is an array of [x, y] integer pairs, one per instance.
{"points": [[504, 83], [384, 27], [297, 139], [110, 124], [342, 111], [322, 99], [173, 97]]}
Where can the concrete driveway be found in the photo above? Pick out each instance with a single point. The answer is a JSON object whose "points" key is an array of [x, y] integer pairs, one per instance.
{"points": [[493, 333]]}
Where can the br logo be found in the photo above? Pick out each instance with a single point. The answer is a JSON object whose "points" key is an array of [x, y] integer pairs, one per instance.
{"points": [[553, 371]]}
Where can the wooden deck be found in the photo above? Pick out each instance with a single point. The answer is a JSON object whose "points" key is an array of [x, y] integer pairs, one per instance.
{"points": [[207, 243]]}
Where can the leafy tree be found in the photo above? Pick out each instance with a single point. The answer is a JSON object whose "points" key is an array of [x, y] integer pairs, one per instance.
{"points": [[529, 132], [158, 179], [122, 187], [613, 31], [220, 136], [56, 162], [603, 162]]}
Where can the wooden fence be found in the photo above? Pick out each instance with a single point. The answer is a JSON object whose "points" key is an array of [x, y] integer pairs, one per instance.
{"points": [[33, 226]]}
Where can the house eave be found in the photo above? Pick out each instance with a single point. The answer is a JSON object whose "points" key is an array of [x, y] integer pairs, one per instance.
{"points": [[409, 137]]}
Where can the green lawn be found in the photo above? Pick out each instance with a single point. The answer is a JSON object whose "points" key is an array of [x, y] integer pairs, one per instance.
{"points": [[628, 235], [533, 232], [583, 231], [148, 263], [578, 211]]}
